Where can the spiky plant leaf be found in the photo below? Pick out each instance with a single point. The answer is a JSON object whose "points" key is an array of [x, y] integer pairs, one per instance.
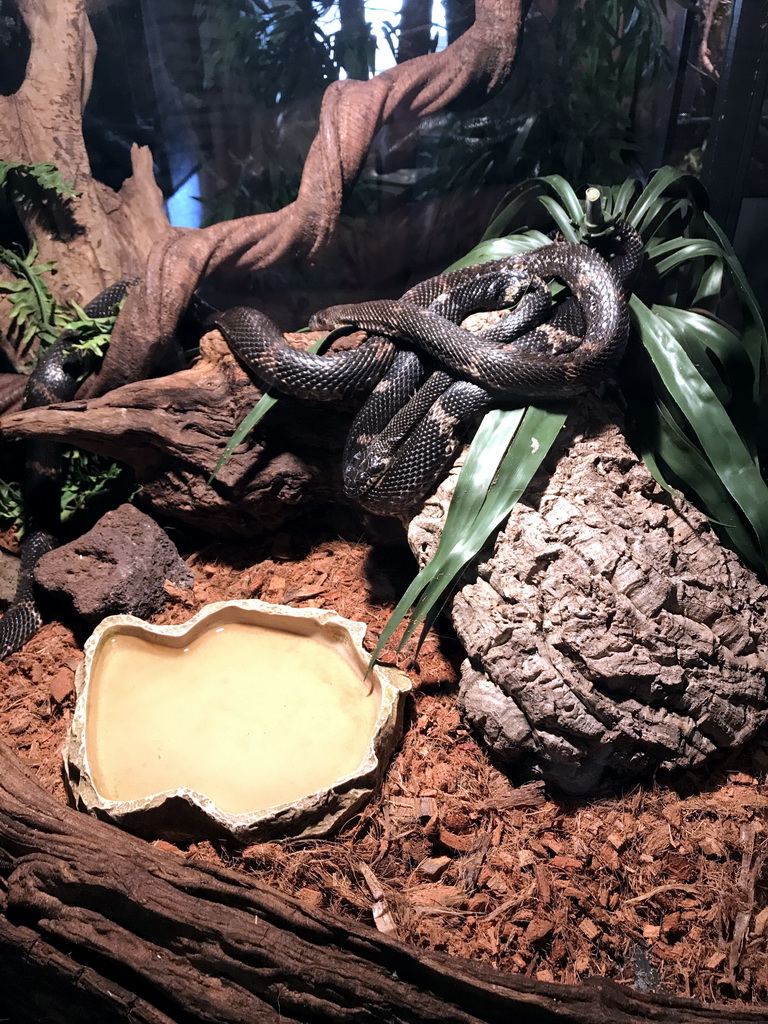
{"points": [[15, 177], [34, 310]]}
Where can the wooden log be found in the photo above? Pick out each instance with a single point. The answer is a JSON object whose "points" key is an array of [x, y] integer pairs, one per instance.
{"points": [[99, 926], [171, 431]]}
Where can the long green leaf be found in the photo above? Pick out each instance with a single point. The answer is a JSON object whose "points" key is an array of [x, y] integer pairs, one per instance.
{"points": [[661, 181], [505, 454], [697, 477], [484, 457], [754, 336], [719, 439], [530, 445]]}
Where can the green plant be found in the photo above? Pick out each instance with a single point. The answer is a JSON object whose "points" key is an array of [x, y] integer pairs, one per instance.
{"points": [[23, 182], [34, 313], [583, 71], [38, 319], [695, 416]]}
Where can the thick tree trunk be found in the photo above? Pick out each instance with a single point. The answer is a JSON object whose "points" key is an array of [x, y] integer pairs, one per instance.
{"points": [[99, 926], [103, 235], [353, 39], [415, 29], [352, 112]]}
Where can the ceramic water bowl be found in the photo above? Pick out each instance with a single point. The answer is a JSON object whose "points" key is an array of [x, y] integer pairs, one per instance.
{"points": [[251, 721]]}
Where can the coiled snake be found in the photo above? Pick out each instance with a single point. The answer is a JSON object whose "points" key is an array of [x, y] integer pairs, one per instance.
{"points": [[425, 376]]}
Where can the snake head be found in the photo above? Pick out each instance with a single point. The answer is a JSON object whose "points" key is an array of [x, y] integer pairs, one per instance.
{"points": [[326, 319], [364, 468]]}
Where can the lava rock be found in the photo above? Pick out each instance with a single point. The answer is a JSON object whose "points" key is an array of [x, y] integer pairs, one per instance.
{"points": [[118, 567]]}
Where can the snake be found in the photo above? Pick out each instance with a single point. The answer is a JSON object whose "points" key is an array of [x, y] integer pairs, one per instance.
{"points": [[425, 376], [55, 378]]}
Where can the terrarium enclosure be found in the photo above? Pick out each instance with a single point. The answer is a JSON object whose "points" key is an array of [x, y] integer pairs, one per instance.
{"points": [[565, 611]]}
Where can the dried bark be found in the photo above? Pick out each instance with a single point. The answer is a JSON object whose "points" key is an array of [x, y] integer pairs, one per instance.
{"points": [[608, 634], [172, 430], [98, 925]]}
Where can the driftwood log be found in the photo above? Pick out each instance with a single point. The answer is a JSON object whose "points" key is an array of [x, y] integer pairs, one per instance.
{"points": [[101, 235], [608, 633], [352, 112], [99, 926], [171, 431]]}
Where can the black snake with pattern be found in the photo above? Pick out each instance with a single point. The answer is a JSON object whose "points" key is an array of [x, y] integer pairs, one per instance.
{"points": [[426, 376]]}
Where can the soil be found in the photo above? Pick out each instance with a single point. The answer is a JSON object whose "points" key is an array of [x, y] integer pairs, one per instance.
{"points": [[663, 887]]}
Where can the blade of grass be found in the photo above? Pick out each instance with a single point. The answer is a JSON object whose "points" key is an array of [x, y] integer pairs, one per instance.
{"points": [[256, 415], [696, 475], [499, 249], [561, 218], [506, 452], [552, 186], [486, 452], [661, 180], [754, 335], [529, 447]]}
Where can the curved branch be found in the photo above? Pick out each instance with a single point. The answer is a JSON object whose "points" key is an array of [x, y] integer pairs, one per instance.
{"points": [[352, 112]]}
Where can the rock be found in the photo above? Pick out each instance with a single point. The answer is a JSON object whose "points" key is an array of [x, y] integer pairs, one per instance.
{"points": [[608, 633], [120, 566]]}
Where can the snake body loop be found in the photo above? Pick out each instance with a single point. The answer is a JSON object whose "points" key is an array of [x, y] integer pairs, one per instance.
{"points": [[55, 379], [426, 377]]}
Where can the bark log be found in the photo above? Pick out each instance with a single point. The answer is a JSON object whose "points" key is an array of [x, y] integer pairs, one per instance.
{"points": [[172, 430], [608, 633], [100, 926]]}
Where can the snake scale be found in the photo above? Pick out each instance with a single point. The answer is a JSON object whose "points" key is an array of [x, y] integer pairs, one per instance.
{"points": [[423, 374]]}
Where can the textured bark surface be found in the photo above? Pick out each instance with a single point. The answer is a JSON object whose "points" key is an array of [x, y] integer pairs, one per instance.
{"points": [[172, 430], [607, 633], [100, 927]]}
